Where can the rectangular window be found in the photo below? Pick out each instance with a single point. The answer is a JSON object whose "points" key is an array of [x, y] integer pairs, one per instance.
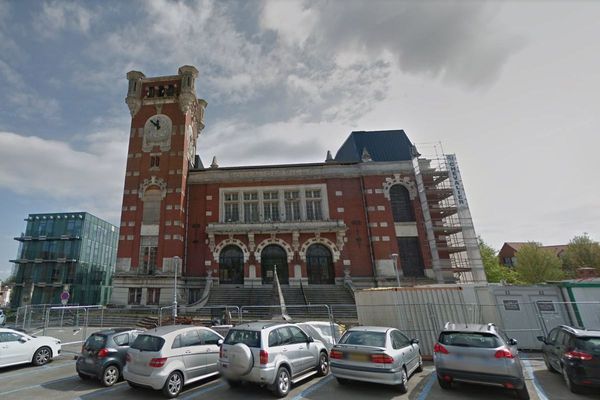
{"points": [[153, 296], [154, 161], [313, 205], [271, 206], [232, 207], [135, 296], [250, 207], [292, 205], [149, 259]]}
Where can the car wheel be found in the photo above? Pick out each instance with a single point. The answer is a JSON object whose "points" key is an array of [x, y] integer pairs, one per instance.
{"points": [[549, 366], [420, 366], [173, 385], [522, 394], [342, 381], [42, 356], [570, 385], [282, 384], [444, 384], [403, 386], [323, 368], [110, 375]]}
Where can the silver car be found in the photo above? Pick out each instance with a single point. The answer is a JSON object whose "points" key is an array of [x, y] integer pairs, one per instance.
{"points": [[376, 354], [327, 332], [274, 354], [170, 357], [478, 353]]}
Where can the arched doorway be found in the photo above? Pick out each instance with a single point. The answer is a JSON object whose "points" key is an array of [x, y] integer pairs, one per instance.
{"points": [[319, 265], [274, 256], [231, 265]]}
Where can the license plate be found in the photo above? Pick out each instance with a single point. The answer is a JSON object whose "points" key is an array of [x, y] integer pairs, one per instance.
{"points": [[358, 357]]}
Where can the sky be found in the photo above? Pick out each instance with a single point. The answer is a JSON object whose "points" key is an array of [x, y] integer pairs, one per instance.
{"points": [[511, 87]]}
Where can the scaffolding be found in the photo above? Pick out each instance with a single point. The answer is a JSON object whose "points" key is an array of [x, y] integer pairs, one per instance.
{"points": [[450, 232]]}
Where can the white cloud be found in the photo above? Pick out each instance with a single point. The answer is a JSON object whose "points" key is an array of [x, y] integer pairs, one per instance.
{"points": [[56, 17], [292, 19], [90, 179]]}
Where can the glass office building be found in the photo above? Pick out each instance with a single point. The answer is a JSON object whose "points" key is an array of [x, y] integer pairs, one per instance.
{"points": [[71, 251]]}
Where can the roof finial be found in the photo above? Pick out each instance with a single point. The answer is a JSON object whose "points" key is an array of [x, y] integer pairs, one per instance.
{"points": [[329, 158], [214, 164], [366, 157]]}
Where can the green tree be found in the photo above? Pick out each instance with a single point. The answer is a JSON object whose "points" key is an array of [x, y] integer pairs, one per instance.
{"points": [[582, 252], [537, 265], [494, 271]]}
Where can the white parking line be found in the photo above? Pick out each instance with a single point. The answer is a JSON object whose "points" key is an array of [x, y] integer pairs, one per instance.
{"points": [[314, 387], [35, 386], [536, 385], [28, 370]]}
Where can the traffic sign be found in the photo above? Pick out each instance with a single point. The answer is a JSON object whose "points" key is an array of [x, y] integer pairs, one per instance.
{"points": [[64, 297]]}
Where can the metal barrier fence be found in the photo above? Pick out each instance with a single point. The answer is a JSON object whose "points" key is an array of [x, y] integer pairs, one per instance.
{"points": [[31, 317], [522, 321]]}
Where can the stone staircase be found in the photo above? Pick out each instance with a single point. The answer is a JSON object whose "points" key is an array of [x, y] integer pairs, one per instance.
{"points": [[339, 298]]}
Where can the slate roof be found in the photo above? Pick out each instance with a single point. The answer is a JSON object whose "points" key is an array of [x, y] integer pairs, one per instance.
{"points": [[381, 146]]}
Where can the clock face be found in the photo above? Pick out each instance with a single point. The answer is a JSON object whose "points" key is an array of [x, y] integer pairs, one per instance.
{"points": [[158, 127]]}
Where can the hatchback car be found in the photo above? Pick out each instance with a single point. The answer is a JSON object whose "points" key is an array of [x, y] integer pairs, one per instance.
{"points": [[575, 353], [328, 333], [103, 354], [170, 357], [20, 348], [273, 354], [477, 353], [376, 354]]}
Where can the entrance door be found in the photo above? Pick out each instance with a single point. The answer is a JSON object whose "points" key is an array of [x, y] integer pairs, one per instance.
{"points": [[231, 265], [319, 265], [272, 257]]}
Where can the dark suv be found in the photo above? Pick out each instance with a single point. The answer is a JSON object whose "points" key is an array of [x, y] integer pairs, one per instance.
{"points": [[103, 354], [575, 353]]}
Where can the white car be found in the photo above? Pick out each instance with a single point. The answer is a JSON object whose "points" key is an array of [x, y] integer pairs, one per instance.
{"points": [[20, 348], [327, 332]]}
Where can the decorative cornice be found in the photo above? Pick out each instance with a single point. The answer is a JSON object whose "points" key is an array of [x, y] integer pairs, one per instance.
{"points": [[298, 171], [278, 227]]}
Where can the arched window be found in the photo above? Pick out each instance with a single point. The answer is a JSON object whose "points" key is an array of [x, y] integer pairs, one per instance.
{"points": [[231, 265], [319, 265], [402, 208], [274, 256]]}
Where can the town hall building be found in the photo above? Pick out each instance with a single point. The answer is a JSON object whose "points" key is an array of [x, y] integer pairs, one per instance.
{"points": [[375, 214]]}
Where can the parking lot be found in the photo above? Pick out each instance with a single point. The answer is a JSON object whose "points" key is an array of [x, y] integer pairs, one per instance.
{"points": [[58, 380]]}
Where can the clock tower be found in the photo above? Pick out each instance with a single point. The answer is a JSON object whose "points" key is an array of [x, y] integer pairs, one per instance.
{"points": [[166, 119]]}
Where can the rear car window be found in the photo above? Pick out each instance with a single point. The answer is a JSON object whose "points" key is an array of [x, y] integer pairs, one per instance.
{"points": [[589, 344], [95, 342], [249, 338], [148, 343], [361, 338], [470, 339]]}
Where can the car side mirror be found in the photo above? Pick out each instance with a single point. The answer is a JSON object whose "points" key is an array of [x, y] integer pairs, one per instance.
{"points": [[310, 339], [415, 341], [512, 342], [220, 342], [542, 339], [22, 340]]}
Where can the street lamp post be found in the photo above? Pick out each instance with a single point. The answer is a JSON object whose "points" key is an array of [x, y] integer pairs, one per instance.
{"points": [[176, 260], [394, 257]]}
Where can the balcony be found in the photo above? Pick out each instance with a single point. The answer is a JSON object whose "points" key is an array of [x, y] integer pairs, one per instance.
{"points": [[242, 228]]}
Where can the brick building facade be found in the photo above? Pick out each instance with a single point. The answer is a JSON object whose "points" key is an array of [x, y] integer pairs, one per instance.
{"points": [[350, 219]]}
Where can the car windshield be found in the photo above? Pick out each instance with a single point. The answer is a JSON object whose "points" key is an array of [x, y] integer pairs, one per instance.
{"points": [[470, 339], [362, 338], [589, 344], [249, 338], [95, 342], [148, 343]]}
